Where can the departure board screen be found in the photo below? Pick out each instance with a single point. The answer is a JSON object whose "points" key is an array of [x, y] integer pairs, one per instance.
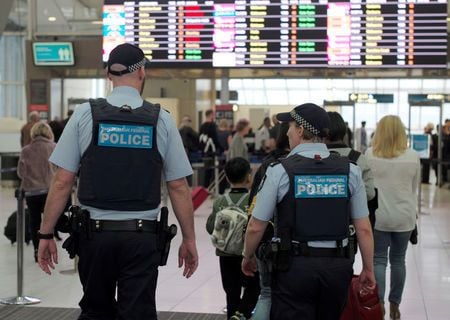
{"points": [[282, 33]]}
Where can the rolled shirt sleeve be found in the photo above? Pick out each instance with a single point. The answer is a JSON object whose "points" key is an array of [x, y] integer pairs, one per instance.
{"points": [[272, 189], [358, 199], [67, 153], [170, 146]]}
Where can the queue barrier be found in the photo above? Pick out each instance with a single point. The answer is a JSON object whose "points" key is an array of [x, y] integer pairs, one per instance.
{"points": [[216, 164], [8, 174], [20, 298]]}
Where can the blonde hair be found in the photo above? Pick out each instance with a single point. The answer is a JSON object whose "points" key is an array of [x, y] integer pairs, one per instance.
{"points": [[223, 124], [390, 139], [41, 129]]}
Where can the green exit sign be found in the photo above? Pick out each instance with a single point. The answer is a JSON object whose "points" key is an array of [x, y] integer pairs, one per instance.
{"points": [[53, 54]]}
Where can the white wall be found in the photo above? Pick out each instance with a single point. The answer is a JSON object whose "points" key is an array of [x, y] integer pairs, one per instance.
{"points": [[83, 89], [10, 134]]}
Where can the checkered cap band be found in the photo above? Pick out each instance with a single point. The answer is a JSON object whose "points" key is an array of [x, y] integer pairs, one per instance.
{"points": [[136, 66], [305, 124]]}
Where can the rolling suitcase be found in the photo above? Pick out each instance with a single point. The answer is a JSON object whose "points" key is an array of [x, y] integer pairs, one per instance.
{"points": [[199, 195], [362, 306]]}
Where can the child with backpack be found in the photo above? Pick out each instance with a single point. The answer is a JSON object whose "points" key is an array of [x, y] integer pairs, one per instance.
{"points": [[226, 225]]}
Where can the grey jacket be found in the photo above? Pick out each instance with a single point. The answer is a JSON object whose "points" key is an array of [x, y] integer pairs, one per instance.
{"points": [[238, 148]]}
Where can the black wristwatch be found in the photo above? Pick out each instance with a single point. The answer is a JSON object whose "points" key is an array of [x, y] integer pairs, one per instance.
{"points": [[45, 236]]}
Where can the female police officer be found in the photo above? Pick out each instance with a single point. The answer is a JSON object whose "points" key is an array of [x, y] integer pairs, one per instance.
{"points": [[314, 193], [120, 145]]}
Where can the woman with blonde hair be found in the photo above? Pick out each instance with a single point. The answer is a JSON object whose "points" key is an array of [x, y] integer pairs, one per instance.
{"points": [[36, 174], [396, 175]]}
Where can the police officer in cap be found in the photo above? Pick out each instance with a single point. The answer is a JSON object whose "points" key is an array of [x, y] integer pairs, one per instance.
{"points": [[314, 194], [120, 146]]}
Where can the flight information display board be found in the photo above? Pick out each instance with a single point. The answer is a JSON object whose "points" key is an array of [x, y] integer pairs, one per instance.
{"points": [[282, 33]]}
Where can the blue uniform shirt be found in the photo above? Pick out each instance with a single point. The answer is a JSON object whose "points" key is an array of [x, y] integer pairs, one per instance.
{"points": [[276, 184], [77, 137]]}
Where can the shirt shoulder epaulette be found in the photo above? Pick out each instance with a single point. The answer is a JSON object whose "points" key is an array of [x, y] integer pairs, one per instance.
{"points": [[274, 163]]}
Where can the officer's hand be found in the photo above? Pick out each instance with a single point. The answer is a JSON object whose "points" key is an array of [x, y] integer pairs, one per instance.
{"points": [[47, 255], [187, 255], [248, 266], [367, 281]]}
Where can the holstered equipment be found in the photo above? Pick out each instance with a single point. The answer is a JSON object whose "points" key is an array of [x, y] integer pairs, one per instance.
{"points": [[81, 225], [165, 235]]}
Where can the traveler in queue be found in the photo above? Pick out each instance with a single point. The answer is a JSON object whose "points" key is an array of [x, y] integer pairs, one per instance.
{"points": [[315, 194], [120, 146], [36, 174], [396, 171]]}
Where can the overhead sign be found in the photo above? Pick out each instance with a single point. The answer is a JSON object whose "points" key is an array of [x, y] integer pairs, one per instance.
{"points": [[53, 54], [428, 97], [421, 144], [281, 34], [371, 98]]}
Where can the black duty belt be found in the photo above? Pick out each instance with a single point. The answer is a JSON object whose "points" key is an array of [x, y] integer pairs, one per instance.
{"points": [[318, 252], [124, 225]]}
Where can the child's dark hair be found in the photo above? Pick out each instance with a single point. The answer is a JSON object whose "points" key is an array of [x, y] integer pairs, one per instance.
{"points": [[338, 129], [237, 169], [282, 142]]}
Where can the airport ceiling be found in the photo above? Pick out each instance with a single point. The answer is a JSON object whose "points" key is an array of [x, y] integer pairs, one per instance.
{"points": [[58, 17]]}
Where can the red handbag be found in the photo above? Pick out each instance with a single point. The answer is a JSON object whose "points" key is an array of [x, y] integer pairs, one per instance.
{"points": [[362, 305]]}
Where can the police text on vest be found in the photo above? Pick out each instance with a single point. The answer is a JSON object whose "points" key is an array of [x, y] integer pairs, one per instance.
{"points": [[316, 186], [125, 136]]}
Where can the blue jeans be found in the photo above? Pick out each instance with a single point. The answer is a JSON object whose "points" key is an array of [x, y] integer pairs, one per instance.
{"points": [[398, 243], [262, 308]]}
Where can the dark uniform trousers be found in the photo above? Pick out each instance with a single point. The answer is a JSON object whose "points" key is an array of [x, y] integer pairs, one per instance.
{"points": [[128, 260], [233, 280], [314, 288]]}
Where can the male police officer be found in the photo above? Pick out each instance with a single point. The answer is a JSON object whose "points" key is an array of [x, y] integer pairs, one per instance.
{"points": [[120, 146], [314, 194]]}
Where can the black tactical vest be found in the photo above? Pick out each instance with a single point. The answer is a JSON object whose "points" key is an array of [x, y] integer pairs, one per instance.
{"points": [[121, 168], [317, 206]]}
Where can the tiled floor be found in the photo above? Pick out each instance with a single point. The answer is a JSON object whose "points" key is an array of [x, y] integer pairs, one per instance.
{"points": [[426, 297]]}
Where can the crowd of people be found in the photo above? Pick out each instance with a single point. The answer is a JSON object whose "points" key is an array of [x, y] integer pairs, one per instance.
{"points": [[431, 160], [387, 172], [284, 237], [38, 140], [289, 294], [387, 160]]}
